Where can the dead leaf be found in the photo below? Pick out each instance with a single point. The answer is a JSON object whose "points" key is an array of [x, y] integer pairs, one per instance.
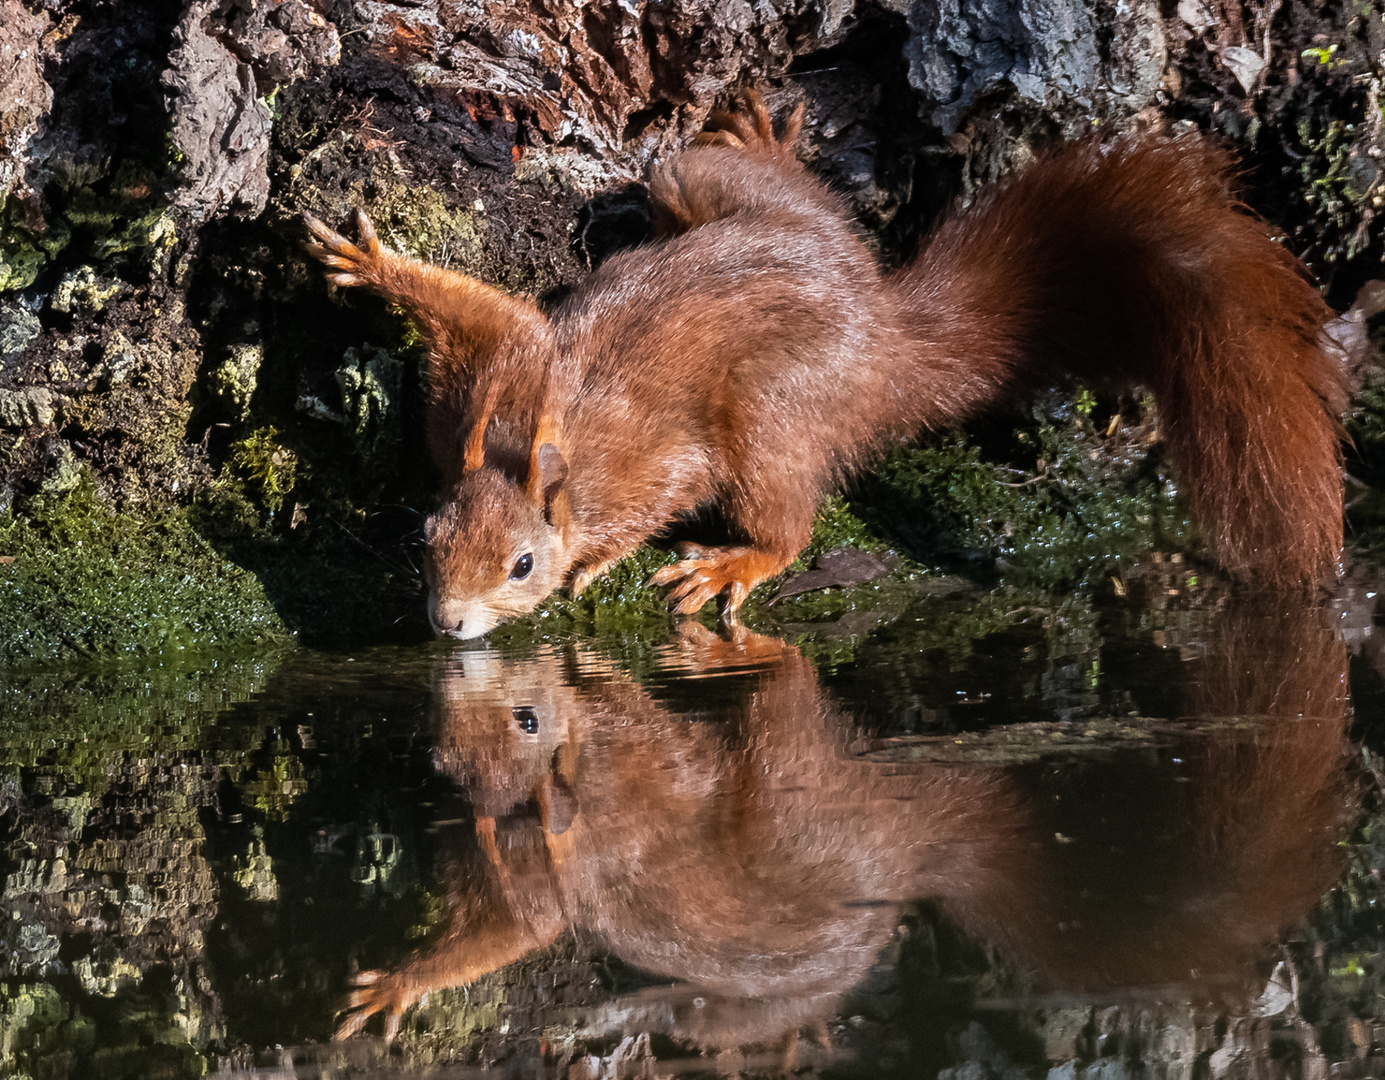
{"points": [[843, 566], [1245, 64]]}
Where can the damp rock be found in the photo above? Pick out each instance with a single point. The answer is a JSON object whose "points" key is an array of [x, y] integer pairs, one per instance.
{"points": [[369, 380], [313, 407], [64, 471], [227, 63], [119, 361], [1045, 49], [26, 97], [220, 127], [82, 292], [564, 168], [625, 80], [1196, 14], [1245, 64], [283, 42], [235, 378], [957, 51], [18, 327], [31, 406]]}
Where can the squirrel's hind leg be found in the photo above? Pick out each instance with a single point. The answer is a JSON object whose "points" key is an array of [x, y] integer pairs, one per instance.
{"points": [[737, 166], [463, 321], [749, 127]]}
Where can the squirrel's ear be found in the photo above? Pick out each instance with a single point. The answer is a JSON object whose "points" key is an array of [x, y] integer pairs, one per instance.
{"points": [[558, 802], [548, 473], [552, 478]]}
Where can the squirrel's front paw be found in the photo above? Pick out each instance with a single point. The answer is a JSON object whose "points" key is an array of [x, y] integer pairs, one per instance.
{"points": [[348, 263], [375, 992], [705, 573]]}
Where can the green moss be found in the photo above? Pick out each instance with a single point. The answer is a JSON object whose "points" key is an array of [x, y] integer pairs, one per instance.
{"points": [[618, 608], [152, 234], [38, 1030], [1069, 515], [1330, 186], [115, 211], [20, 263], [265, 468], [80, 290], [234, 380], [419, 221], [23, 252], [122, 219], [82, 578], [836, 526], [370, 382]]}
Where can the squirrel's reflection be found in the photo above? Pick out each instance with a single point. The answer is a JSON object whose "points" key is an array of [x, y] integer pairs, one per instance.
{"points": [[758, 861]]}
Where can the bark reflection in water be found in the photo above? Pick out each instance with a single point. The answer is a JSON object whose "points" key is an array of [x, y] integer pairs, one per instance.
{"points": [[759, 858]]}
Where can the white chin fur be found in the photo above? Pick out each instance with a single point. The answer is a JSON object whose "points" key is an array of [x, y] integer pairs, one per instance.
{"points": [[467, 633]]}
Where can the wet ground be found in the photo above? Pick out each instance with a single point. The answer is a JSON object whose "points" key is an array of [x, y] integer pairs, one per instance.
{"points": [[938, 832]]}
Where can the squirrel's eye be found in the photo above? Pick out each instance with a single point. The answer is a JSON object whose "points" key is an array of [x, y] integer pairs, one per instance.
{"points": [[527, 719], [523, 565]]}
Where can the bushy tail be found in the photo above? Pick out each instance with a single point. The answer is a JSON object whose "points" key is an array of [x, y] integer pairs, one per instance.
{"points": [[1133, 262]]}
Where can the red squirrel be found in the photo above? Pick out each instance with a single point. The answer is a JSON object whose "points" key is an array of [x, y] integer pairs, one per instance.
{"points": [[754, 355]]}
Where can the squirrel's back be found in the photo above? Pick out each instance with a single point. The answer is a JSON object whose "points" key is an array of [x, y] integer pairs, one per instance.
{"points": [[1129, 262]]}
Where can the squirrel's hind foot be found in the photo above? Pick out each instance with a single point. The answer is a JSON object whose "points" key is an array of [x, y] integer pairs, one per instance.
{"points": [[750, 128], [347, 263]]}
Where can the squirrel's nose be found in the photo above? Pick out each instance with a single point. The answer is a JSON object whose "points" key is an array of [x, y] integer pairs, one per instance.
{"points": [[458, 618]]}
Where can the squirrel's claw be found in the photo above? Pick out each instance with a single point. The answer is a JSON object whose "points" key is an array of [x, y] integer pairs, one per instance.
{"points": [[374, 992], [586, 575], [355, 265], [729, 573]]}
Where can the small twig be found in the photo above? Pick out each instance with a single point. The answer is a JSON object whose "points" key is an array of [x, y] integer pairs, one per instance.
{"points": [[1025, 483]]}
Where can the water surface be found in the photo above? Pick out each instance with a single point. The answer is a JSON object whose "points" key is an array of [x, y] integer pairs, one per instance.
{"points": [[1130, 838]]}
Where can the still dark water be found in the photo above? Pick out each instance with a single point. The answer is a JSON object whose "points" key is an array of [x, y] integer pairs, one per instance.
{"points": [[979, 838]]}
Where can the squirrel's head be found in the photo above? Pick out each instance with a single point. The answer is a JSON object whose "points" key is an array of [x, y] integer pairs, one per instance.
{"points": [[508, 731], [498, 546]]}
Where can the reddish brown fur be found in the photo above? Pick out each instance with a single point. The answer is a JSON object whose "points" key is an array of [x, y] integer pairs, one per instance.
{"points": [[754, 355], [760, 862], [1132, 263]]}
